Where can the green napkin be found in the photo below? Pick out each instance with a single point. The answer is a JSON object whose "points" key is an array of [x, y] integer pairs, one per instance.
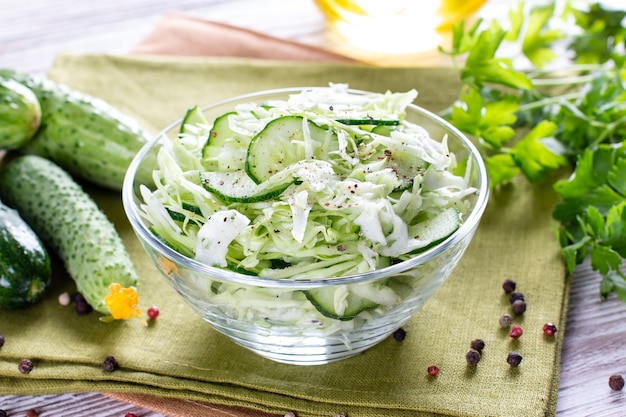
{"points": [[180, 356]]}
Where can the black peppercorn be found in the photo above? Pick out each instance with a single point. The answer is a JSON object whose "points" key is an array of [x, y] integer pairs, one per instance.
{"points": [[25, 366], [518, 307], [399, 334], [616, 382], [1, 340], [478, 344], [516, 296], [109, 364], [81, 305], [509, 286], [3, 413], [514, 359], [472, 357]]}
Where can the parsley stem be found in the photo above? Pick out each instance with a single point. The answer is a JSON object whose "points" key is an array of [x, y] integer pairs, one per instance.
{"points": [[549, 100]]}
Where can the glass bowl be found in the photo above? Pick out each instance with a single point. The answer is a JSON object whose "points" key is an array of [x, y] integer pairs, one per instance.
{"points": [[273, 317]]}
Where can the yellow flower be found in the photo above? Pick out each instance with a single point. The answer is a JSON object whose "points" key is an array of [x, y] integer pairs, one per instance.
{"points": [[122, 303]]}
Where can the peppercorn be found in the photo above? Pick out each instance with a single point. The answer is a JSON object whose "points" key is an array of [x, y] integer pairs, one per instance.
{"points": [[1, 340], [432, 370], [290, 414], [478, 344], [515, 296], [516, 332], [109, 364], [514, 359], [616, 382], [399, 334], [340, 415], [505, 320], [509, 286], [549, 329], [472, 357], [3, 413], [518, 307], [153, 312], [25, 366], [64, 299], [32, 413], [81, 305], [130, 415]]}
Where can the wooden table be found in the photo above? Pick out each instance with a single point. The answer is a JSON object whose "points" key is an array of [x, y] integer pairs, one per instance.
{"points": [[32, 32]]}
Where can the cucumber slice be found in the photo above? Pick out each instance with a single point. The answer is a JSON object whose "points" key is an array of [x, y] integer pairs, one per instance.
{"points": [[237, 186], [368, 121], [193, 117], [324, 300], [436, 229], [284, 141], [225, 149]]}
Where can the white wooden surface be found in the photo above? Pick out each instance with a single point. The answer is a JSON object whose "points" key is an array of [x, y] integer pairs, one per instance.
{"points": [[32, 32]]}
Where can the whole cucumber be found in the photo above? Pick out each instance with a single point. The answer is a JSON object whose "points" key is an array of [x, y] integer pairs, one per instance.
{"points": [[20, 114], [86, 136], [69, 222], [25, 270]]}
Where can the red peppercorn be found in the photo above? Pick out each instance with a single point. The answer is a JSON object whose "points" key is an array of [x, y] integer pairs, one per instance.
{"points": [[432, 370], [130, 415], [516, 332], [549, 329], [32, 413], [153, 312]]}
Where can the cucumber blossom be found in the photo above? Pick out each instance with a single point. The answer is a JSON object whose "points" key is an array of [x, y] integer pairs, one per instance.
{"points": [[86, 136], [25, 269], [69, 222]]}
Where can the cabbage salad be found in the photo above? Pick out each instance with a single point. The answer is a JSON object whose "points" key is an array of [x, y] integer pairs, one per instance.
{"points": [[323, 184]]}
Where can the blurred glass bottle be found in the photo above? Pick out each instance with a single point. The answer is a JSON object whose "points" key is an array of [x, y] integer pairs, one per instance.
{"points": [[394, 31]]}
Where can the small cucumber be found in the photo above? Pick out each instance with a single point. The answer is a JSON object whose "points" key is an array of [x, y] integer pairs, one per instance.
{"points": [[284, 141], [70, 223], [85, 136], [25, 270], [20, 114]]}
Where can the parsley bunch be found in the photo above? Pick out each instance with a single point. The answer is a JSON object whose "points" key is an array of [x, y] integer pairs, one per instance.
{"points": [[531, 119]]}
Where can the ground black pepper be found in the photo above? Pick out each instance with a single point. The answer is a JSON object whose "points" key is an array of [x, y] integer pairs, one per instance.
{"points": [[616, 382], [518, 307], [478, 344], [399, 334], [109, 364], [514, 359], [25, 366], [472, 357], [509, 286]]}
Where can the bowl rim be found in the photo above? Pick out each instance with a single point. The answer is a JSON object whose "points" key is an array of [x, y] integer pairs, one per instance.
{"points": [[141, 230]]}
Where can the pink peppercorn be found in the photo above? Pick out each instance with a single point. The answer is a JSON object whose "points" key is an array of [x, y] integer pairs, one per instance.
{"points": [[549, 329], [130, 415], [153, 312], [516, 332], [432, 370]]}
